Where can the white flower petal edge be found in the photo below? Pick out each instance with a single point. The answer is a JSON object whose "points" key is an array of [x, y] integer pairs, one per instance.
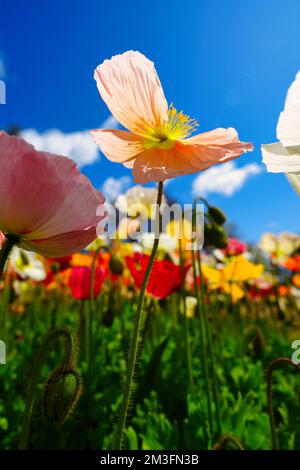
{"points": [[294, 179], [280, 160], [288, 127]]}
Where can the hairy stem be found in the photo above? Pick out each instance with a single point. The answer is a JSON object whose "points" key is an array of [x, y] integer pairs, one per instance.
{"points": [[225, 440], [134, 345]]}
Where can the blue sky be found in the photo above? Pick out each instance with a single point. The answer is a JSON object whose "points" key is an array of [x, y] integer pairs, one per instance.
{"points": [[225, 63]]}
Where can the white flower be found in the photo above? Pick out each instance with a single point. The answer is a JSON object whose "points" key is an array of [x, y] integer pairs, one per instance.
{"points": [[284, 156], [167, 243], [280, 246], [268, 243], [138, 201], [27, 265]]}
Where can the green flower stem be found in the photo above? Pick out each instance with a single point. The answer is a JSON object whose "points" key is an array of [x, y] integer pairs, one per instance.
{"points": [[134, 346], [4, 255], [274, 365], [93, 271], [202, 345], [208, 335], [90, 313], [210, 348], [5, 251], [186, 325], [80, 330], [5, 306], [225, 440], [87, 332], [68, 359]]}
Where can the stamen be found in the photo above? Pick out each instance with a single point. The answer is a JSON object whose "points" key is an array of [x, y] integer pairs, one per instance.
{"points": [[179, 125]]}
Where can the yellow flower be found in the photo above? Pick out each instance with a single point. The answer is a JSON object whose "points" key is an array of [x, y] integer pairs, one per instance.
{"points": [[191, 303], [231, 277], [181, 229]]}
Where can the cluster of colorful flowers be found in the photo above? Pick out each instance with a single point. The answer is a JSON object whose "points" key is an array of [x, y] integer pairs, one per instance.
{"points": [[230, 271]]}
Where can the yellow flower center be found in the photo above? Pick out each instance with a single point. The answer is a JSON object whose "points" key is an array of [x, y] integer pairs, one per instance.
{"points": [[179, 126]]}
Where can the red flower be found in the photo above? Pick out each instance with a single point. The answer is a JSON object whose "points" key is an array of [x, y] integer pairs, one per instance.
{"points": [[165, 278], [80, 282], [258, 293], [235, 247]]}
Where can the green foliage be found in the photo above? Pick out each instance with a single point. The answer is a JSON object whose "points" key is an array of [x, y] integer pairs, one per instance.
{"points": [[164, 415]]}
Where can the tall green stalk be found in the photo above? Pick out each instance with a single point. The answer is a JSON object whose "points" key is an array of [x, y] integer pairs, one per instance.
{"points": [[186, 325], [89, 315], [134, 345], [202, 345], [210, 349], [208, 332]]}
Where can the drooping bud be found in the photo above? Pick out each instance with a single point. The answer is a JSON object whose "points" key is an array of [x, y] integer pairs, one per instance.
{"points": [[219, 237], [61, 393], [208, 234], [216, 215], [116, 266]]}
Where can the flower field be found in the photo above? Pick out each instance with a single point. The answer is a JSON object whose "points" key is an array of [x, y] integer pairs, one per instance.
{"points": [[201, 374], [131, 319]]}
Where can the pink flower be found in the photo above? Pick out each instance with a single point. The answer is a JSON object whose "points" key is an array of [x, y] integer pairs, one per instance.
{"points": [[235, 247], [158, 146], [46, 204]]}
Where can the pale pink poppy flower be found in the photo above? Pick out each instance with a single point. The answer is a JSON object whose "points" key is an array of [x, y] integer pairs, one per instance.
{"points": [[46, 204], [159, 145]]}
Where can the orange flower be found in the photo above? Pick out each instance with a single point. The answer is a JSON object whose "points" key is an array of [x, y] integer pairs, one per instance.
{"points": [[159, 145], [296, 280], [283, 291], [293, 263], [81, 259]]}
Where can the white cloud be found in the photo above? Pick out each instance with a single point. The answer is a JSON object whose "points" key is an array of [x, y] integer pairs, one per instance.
{"points": [[113, 187], [110, 123], [79, 146], [224, 179]]}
